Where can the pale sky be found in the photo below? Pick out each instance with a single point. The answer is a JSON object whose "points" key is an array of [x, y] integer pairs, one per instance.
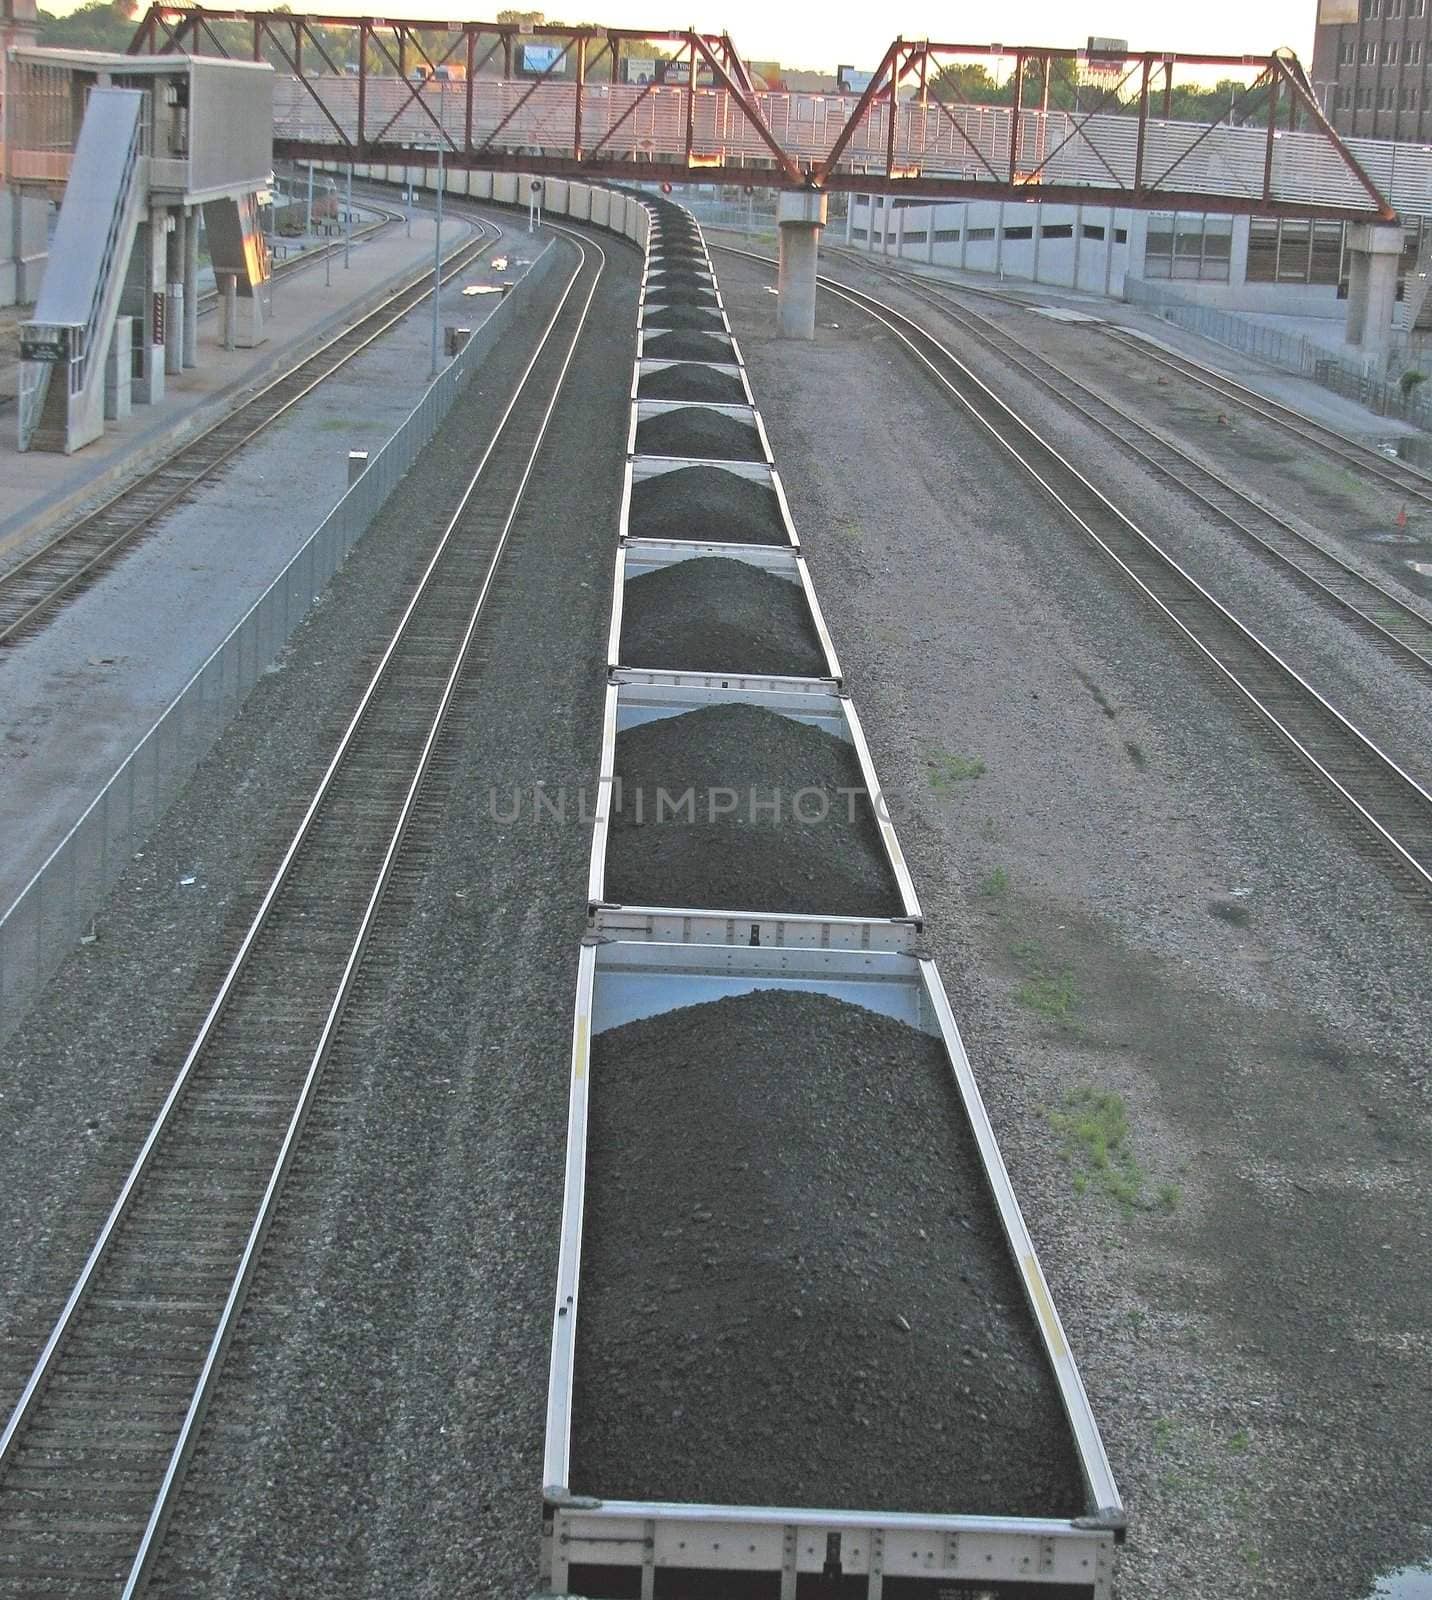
{"points": [[812, 34], [822, 33]]}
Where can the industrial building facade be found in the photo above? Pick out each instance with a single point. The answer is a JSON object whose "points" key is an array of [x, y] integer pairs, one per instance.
{"points": [[1372, 67]]}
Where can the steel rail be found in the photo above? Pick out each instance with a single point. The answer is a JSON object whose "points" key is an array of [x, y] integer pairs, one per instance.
{"points": [[429, 585], [1390, 618], [1399, 475], [251, 418], [1391, 803]]}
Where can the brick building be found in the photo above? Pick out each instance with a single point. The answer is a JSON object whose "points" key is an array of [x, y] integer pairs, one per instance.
{"points": [[1371, 66]]}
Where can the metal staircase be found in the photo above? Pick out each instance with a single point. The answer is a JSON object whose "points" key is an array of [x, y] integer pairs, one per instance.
{"points": [[1416, 309], [63, 348]]}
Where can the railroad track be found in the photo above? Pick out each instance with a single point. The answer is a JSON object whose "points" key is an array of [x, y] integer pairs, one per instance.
{"points": [[1399, 476], [1386, 800], [93, 1455], [76, 556], [1372, 607]]}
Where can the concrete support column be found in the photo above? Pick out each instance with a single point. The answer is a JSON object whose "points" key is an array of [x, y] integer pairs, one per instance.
{"points": [[849, 216], [174, 294], [191, 288], [1374, 252], [801, 215], [148, 294], [118, 371]]}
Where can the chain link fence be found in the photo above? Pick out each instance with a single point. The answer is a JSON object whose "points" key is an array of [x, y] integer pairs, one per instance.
{"points": [[1291, 352], [56, 907]]}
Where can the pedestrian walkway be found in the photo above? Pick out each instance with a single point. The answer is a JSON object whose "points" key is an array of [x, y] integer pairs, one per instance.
{"points": [[314, 302]]}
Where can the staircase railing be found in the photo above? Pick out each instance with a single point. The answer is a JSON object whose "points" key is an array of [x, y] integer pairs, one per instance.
{"points": [[70, 344]]}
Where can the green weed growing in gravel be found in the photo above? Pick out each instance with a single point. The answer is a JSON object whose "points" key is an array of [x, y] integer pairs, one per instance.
{"points": [[995, 884], [946, 770], [1095, 1128], [1239, 1442], [1051, 993], [1168, 1197]]}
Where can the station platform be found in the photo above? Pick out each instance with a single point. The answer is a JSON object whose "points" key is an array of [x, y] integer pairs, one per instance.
{"points": [[39, 489]]}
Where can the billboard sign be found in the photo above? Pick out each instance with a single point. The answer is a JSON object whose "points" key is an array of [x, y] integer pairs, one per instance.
{"points": [[849, 81], [1105, 57], [679, 72], [541, 57], [639, 69]]}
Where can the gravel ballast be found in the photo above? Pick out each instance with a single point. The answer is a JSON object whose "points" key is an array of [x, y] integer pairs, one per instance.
{"points": [[699, 433], [705, 503], [1140, 898], [795, 1288], [771, 826], [715, 614], [692, 381], [687, 345]]}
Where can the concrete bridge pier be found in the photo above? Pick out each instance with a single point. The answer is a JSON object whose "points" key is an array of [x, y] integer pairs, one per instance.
{"points": [[801, 214], [1374, 252]]}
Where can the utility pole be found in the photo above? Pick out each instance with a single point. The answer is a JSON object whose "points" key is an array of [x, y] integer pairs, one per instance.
{"points": [[308, 209], [348, 225], [438, 257]]}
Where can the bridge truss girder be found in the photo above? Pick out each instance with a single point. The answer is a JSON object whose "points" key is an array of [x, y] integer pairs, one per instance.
{"points": [[912, 73]]}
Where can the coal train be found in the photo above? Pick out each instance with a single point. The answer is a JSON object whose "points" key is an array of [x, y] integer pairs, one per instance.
{"points": [[801, 1344]]}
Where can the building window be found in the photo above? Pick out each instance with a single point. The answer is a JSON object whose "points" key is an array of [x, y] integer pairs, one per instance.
{"points": [[1369, 10], [1294, 251], [1389, 53], [973, 234], [1416, 8], [1344, 99], [915, 236], [947, 235], [1093, 231], [1364, 98], [1392, 8], [1188, 245], [1413, 53], [1057, 230], [858, 233], [1384, 97], [1345, 50], [1121, 235], [1019, 233], [1367, 52]]}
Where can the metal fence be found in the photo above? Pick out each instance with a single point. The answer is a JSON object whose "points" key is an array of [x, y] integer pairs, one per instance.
{"points": [[54, 909], [1292, 352]]}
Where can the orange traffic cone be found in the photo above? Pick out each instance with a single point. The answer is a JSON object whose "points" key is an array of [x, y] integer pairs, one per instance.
{"points": [[1402, 519]]}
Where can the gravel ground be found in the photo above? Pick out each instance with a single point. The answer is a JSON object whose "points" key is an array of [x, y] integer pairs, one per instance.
{"points": [[691, 381], [822, 1239], [770, 825], [698, 433], [705, 503], [380, 1428], [1337, 656], [685, 345], [1132, 894], [716, 614], [78, 695]]}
